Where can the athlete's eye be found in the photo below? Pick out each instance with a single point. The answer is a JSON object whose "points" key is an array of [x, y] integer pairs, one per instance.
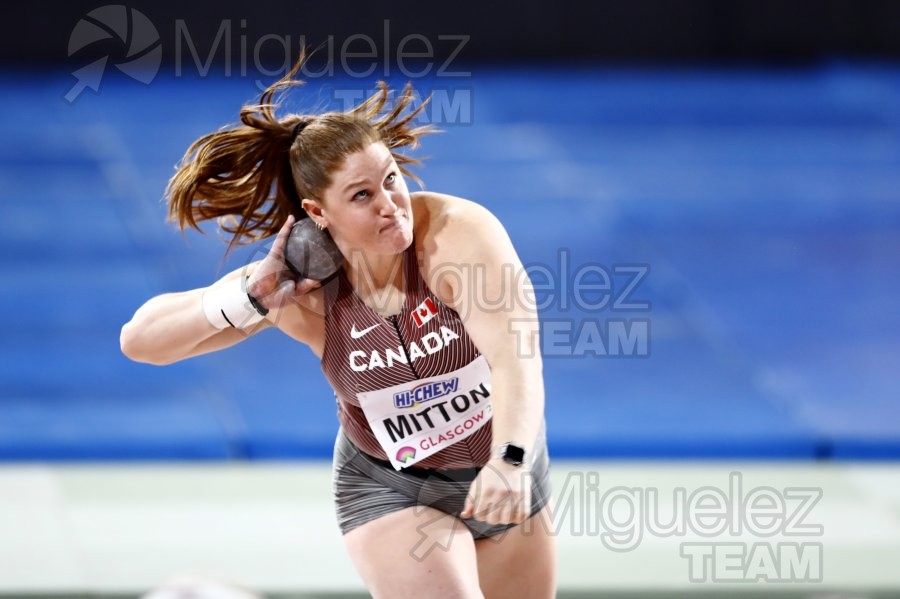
{"points": [[390, 180]]}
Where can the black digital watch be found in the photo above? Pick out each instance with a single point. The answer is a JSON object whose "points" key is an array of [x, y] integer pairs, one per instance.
{"points": [[512, 454]]}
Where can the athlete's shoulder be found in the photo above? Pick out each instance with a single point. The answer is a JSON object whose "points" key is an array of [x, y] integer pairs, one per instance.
{"points": [[439, 215]]}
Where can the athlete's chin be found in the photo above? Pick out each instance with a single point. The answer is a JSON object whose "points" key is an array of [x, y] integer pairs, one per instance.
{"points": [[396, 238]]}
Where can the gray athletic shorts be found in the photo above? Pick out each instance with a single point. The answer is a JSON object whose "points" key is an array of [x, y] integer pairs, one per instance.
{"points": [[366, 488]]}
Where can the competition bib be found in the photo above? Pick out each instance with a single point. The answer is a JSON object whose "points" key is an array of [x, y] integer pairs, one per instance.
{"points": [[415, 420]]}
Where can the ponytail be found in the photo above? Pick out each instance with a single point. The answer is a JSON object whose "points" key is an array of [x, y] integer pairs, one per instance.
{"points": [[250, 177]]}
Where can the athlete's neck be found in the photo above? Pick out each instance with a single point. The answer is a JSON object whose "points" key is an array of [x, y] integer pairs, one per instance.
{"points": [[378, 280]]}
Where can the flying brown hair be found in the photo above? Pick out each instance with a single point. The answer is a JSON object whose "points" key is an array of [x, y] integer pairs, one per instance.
{"points": [[253, 175]]}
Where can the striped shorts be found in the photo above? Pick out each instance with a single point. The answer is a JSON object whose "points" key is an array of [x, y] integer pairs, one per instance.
{"points": [[366, 488]]}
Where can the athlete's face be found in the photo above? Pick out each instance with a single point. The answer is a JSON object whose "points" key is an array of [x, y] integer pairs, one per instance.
{"points": [[367, 205]]}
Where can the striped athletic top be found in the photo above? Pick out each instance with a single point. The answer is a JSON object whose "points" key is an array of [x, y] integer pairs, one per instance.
{"points": [[366, 352]]}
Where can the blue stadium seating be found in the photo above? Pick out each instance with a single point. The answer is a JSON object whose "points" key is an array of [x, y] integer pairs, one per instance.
{"points": [[766, 205]]}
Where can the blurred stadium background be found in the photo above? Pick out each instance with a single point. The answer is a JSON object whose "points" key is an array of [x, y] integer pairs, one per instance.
{"points": [[732, 166]]}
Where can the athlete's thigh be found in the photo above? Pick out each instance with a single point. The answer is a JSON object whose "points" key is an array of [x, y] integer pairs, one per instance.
{"points": [[415, 552], [519, 562]]}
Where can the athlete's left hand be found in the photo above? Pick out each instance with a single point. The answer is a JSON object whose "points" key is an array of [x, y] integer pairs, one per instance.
{"points": [[500, 494]]}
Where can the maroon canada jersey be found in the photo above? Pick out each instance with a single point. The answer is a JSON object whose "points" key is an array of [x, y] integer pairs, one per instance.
{"points": [[366, 352]]}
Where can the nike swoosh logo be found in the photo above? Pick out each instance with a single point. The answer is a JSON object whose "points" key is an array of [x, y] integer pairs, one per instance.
{"points": [[357, 334]]}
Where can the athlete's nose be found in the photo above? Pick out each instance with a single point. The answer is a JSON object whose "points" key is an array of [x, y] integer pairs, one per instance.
{"points": [[386, 205]]}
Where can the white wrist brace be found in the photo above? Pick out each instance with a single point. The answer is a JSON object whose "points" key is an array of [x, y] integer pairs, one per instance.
{"points": [[228, 305]]}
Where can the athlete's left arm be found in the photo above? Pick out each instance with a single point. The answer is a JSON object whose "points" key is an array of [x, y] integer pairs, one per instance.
{"points": [[473, 267]]}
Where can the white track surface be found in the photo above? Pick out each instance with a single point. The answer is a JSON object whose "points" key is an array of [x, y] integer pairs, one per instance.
{"points": [[270, 526]]}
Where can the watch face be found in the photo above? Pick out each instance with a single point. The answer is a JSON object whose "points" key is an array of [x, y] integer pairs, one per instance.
{"points": [[513, 454]]}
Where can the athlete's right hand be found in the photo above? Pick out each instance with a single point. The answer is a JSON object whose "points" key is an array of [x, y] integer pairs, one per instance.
{"points": [[272, 283]]}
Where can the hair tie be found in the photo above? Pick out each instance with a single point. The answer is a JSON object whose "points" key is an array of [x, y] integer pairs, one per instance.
{"points": [[298, 128]]}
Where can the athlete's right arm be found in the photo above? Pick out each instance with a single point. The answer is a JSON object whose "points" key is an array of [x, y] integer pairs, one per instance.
{"points": [[175, 326]]}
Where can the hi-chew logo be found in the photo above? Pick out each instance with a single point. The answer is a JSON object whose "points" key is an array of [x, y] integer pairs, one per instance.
{"points": [[425, 392], [136, 45]]}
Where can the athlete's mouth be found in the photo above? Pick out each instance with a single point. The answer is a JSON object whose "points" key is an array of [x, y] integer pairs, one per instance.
{"points": [[393, 224]]}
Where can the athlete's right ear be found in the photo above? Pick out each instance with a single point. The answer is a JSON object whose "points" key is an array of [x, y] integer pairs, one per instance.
{"points": [[314, 210], [312, 207]]}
